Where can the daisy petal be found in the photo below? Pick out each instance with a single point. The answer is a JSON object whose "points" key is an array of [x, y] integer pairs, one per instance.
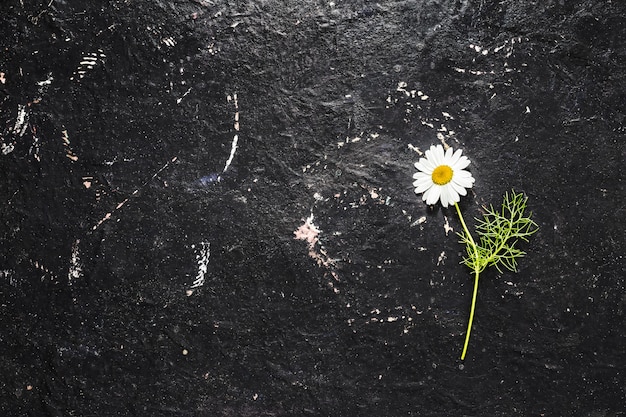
{"points": [[454, 195], [462, 163], [455, 157], [438, 155], [419, 189], [465, 182], [458, 188], [428, 156], [421, 186], [425, 166], [421, 177], [461, 173], [445, 196], [431, 196]]}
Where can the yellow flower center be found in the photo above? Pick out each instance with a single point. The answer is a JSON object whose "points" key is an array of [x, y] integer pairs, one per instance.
{"points": [[442, 175]]}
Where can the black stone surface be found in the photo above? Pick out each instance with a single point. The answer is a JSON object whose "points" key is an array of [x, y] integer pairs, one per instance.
{"points": [[164, 163]]}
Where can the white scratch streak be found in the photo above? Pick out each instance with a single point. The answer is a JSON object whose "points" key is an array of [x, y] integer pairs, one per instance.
{"points": [[75, 270], [120, 205], [233, 146], [204, 253]]}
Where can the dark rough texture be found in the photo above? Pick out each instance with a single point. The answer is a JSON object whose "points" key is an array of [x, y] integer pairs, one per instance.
{"points": [[97, 315]]}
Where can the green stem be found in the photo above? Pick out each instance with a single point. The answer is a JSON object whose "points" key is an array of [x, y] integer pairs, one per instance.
{"points": [[476, 276], [471, 317], [469, 235]]}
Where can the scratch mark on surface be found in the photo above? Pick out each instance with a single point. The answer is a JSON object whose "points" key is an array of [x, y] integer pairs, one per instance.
{"points": [[169, 41], [34, 148], [75, 269], [42, 268], [66, 143], [21, 121], [120, 205], [183, 96], [203, 256], [89, 61], [233, 147]]}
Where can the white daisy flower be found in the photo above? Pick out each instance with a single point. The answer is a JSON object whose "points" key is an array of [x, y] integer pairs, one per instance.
{"points": [[442, 176]]}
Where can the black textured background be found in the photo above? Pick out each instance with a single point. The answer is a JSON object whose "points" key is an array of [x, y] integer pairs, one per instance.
{"points": [[128, 108]]}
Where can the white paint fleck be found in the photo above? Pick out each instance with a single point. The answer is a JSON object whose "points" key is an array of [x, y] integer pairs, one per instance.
{"points": [[48, 81], [213, 49], [419, 221], [415, 149], [7, 148], [308, 232], [446, 226], [7, 273], [442, 258]]}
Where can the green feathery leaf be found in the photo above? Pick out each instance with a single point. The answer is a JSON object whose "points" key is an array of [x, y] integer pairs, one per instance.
{"points": [[499, 232]]}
